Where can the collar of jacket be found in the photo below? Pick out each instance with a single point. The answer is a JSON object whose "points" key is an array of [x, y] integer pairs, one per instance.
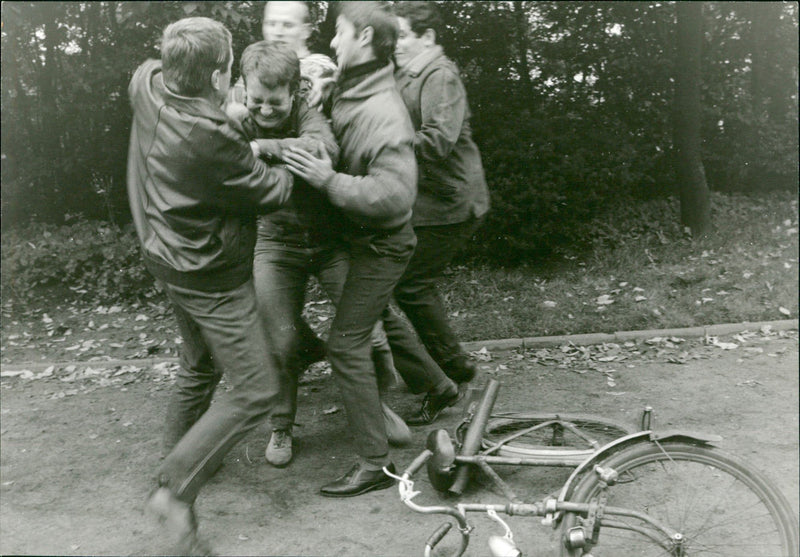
{"points": [[366, 86], [422, 60], [195, 106]]}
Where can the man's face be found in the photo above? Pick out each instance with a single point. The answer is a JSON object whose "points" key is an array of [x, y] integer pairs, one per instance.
{"points": [[269, 106], [286, 23], [346, 44], [409, 44]]}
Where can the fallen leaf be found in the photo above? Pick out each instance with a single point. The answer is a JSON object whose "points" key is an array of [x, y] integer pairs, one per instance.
{"points": [[748, 383], [724, 345], [784, 311], [604, 300], [331, 410], [16, 373]]}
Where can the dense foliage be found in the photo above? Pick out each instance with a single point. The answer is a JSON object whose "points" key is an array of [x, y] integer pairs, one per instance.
{"points": [[571, 105], [77, 260]]}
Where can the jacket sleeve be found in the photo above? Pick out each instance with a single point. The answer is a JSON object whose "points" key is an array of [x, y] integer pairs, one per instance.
{"points": [[237, 181], [312, 124], [443, 107], [387, 189]]}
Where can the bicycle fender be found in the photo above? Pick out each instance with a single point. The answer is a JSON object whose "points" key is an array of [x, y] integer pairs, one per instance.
{"points": [[638, 437], [704, 438]]}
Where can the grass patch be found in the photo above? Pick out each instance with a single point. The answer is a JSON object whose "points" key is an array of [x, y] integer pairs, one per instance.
{"points": [[643, 271], [640, 270]]}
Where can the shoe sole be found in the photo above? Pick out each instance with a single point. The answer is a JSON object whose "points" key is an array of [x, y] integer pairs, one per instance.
{"points": [[375, 487], [280, 465], [461, 393]]}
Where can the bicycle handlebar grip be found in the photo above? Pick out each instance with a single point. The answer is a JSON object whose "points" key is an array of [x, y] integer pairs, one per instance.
{"points": [[440, 533], [417, 463]]}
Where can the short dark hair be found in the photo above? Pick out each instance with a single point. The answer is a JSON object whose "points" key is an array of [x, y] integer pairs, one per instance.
{"points": [[420, 16], [191, 49], [377, 15], [271, 64]]}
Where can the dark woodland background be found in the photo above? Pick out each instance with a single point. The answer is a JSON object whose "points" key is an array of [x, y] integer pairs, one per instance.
{"points": [[574, 105]]}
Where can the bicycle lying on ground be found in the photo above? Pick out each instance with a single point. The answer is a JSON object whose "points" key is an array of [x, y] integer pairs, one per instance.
{"points": [[632, 493]]}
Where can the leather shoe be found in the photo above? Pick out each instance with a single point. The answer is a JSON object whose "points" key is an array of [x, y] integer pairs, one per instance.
{"points": [[358, 480], [432, 406]]}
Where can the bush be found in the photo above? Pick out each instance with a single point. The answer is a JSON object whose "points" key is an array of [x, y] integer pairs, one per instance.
{"points": [[87, 258]]}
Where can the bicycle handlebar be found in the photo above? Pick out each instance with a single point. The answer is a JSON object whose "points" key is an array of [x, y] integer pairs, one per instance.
{"points": [[437, 536], [417, 463]]}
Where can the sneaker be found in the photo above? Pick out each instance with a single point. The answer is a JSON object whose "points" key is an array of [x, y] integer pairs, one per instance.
{"points": [[279, 448], [397, 431]]}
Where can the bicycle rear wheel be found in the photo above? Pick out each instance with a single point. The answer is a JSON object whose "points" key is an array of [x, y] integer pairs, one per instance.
{"points": [[719, 504], [542, 436]]}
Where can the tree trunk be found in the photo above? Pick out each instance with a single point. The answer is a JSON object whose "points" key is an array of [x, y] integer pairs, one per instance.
{"points": [[764, 18], [695, 203], [521, 22]]}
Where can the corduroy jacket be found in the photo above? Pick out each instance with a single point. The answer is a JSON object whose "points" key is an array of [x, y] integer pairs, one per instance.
{"points": [[452, 185], [195, 187], [376, 182]]}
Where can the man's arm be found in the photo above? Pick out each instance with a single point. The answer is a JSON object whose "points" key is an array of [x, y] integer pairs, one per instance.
{"points": [[238, 181], [443, 106], [387, 189]]}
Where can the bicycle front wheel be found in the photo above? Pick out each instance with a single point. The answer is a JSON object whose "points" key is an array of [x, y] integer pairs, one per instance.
{"points": [[542, 436], [718, 504]]}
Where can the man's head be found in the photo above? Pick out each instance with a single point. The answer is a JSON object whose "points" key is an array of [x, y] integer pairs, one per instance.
{"points": [[288, 23], [271, 73], [365, 31], [419, 24], [196, 58]]}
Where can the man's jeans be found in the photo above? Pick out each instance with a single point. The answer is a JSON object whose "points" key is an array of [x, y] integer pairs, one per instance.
{"points": [[222, 334], [377, 261], [281, 271], [416, 293]]}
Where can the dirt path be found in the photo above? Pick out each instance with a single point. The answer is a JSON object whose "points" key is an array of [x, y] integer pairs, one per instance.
{"points": [[76, 462]]}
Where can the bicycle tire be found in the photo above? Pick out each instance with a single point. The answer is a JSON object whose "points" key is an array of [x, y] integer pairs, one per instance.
{"points": [[545, 443], [720, 504]]}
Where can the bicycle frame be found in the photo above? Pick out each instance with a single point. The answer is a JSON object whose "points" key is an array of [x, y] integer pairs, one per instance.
{"points": [[549, 508], [451, 471]]}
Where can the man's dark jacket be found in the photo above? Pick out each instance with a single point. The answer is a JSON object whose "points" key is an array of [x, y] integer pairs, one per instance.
{"points": [[195, 187]]}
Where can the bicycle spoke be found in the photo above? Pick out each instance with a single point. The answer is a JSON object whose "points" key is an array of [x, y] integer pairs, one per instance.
{"points": [[719, 506]]}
